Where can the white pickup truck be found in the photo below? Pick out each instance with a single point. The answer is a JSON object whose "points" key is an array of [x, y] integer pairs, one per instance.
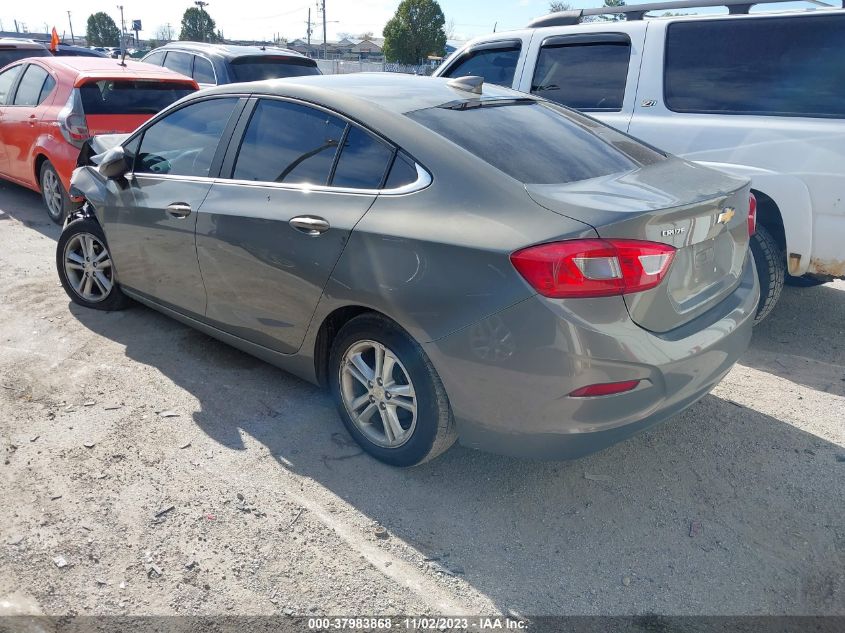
{"points": [[760, 95]]}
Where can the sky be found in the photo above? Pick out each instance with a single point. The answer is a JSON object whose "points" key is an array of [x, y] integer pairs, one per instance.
{"points": [[261, 19]]}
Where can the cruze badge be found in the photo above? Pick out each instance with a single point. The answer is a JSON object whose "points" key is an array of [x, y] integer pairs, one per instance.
{"points": [[726, 215], [671, 232]]}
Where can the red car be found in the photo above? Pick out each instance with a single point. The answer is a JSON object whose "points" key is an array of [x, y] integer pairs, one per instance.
{"points": [[49, 106]]}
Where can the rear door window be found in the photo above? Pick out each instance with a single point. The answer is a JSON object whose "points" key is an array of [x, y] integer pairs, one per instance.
{"points": [[779, 66], [7, 80], [179, 62], [269, 67], [203, 71], [184, 142], [108, 96], [154, 58], [587, 76], [536, 142], [495, 61], [363, 162], [289, 142], [29, 88], [402, 173]]}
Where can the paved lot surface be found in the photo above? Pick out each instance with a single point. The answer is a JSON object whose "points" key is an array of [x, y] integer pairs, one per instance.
{"points": [[734, 507]]}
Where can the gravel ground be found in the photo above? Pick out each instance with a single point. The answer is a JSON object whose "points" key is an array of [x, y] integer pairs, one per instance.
{"points": [[149, 469]]}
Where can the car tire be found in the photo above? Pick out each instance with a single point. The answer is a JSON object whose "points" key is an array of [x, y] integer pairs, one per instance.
{"points": [[769, 261], [807, 281], [371, 405], [87, 275], [58, 203]]}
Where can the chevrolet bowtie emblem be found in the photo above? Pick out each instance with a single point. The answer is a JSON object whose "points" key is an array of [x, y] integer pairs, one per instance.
{"points": [[726, 215]]}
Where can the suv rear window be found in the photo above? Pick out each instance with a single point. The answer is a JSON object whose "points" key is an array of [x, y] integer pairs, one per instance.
{"points": [[9, 55], [269, 67], [130, 97], [537, 143], [784, 66]]}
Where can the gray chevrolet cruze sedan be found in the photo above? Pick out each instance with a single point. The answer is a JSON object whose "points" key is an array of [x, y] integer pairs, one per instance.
{"points": [[450, 260]]}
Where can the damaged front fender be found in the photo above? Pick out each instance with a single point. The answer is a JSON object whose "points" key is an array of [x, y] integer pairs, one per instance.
{"points": [[87, 183]]}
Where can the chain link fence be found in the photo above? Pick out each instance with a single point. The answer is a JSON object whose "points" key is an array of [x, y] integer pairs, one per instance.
{"points": [[341, 67]]}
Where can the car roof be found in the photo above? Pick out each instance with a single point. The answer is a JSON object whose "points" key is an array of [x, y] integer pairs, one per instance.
{"points": [[110, 68], [394, 92], [14, 42], [230, 51]]}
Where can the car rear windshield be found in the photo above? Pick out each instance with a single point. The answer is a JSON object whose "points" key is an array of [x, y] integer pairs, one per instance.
{"points": [[268, 67], [9, 55], [537, 143], [130, 97]]}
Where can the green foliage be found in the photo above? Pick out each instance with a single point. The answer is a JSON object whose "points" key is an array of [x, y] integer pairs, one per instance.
{"points": [[198, 26], [614, 17], [555, 7], [415, 32], [102, 31]]}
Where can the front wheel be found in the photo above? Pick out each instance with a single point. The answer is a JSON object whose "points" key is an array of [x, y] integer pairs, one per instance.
{"points": [[388, 394], [85, 267], [769, 260]]}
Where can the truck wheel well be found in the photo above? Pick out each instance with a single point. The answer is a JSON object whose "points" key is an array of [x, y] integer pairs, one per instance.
{"points": [[326, 335], [769, 216]]}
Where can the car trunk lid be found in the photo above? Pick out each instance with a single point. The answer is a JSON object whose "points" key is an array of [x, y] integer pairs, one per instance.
{"points": [[701, 212]]}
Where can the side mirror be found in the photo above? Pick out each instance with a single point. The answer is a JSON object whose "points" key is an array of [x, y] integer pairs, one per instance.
{"points": [[113, 163]]}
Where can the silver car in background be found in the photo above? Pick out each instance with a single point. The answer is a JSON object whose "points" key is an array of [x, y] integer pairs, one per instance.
{"points": [[450, 260]]}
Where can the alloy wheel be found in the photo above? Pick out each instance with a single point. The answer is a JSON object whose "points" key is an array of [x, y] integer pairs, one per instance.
{"points": [[52, 193], [378, 394], [88, 267]]}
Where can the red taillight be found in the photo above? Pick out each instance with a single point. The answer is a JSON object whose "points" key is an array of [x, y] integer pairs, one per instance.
{"points": [[72, 120], [752, 214], [593, 268], [605, 389]]}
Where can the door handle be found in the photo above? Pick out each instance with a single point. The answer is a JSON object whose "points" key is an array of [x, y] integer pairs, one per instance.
{"points": [[179, 210], [310, 224]]}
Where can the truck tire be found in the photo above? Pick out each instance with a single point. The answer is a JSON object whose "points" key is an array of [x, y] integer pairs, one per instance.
{"points": [[769, 261]]}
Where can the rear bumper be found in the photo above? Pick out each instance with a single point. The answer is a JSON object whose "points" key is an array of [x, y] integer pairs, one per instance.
{"points": [[508, 377]]}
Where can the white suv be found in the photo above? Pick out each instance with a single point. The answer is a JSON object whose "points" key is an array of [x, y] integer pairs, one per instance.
{"points": [[759, 95]]}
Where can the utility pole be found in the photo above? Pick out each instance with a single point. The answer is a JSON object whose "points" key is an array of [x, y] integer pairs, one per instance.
{"points": [[309, 24], [71, 28], [321, 6], [122, 30], [202, 5]]}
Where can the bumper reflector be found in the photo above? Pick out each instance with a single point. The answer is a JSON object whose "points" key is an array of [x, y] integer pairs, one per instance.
{"points": [[604, 389]]}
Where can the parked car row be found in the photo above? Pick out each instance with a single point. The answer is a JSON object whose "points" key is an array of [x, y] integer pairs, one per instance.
{"points": [[451, 258]]}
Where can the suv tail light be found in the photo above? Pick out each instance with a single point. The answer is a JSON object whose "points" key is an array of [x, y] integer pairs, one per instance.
{"points": [[72, 121], [593, 267], [752, 214]]}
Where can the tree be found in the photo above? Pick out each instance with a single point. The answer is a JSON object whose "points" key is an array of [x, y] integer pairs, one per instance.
{"points": [[555, 7], [415, 32], [102, 31], [613, 17], [197, 26]]}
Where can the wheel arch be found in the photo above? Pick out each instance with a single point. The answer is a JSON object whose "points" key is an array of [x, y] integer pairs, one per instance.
{"points": [[327, 332], [38, 163], [784, 197]]}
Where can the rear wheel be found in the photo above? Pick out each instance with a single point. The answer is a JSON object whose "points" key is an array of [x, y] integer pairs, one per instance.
{"points": [[53, 192], [85, 267], [768, 259], [388, 394]]}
